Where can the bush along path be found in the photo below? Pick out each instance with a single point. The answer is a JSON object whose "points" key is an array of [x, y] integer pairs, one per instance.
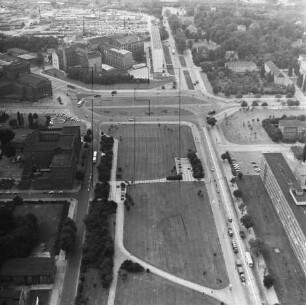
{"points": [[98, 248]]}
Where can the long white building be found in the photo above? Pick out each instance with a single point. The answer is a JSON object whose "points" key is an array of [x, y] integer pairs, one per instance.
{"points": [[157, 49]]}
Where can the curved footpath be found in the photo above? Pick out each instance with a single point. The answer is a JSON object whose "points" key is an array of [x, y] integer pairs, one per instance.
{"points": [[121, 253]]}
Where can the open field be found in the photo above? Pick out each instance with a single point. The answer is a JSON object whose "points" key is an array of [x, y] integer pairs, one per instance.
{"points": [[142, 111], [290, 282], [173, 228], [155, 148], [149, 289], [182, 61], [48, 216], [93, 290], [235, 132]]}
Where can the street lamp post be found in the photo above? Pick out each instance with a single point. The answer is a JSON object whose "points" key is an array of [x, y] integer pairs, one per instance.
{"points": [[92, 127]]}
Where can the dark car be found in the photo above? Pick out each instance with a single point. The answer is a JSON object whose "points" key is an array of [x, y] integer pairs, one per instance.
{"points": [[212, 112], [97, 95], [113, 92], [242, 234]]}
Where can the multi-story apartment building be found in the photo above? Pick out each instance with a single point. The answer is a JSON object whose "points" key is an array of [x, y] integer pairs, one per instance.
{"points": [[279, 180], [157, 50], [118, 58]]}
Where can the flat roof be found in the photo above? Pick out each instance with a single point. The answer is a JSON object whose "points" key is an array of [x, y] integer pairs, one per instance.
{"points": [[155, 37], [284, 176]]}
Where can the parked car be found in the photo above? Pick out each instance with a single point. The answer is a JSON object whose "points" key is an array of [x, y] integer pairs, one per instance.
{"points": [[97, 95], [230, 232]]}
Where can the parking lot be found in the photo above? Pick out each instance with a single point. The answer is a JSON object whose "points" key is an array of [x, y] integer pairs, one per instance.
{"points": [[244, 162]]}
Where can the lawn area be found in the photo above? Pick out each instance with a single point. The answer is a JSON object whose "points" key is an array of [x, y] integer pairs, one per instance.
{"points": [[173, 228], [235, 132], [290, 281], [48, 216], [93, 290], [188, 80], [155, 148], [182, 61], [149, 289], [142, 111]]}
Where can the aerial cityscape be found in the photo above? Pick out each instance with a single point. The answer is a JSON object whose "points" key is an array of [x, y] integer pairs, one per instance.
{"points": [[153, 152]]}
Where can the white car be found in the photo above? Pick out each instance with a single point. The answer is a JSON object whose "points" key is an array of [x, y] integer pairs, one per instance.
{"points": [[51, 192]]}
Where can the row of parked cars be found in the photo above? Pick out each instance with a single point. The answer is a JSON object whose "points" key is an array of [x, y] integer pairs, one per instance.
{"points": [[255, 166]]}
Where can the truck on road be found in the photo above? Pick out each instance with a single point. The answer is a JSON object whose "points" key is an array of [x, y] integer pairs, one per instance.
{"points": [[173, 51], [240, 270]]}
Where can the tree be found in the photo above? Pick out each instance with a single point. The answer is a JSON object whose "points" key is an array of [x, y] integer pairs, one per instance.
{"points": [[19, 120], [224, 156], [264, 104], [80, 175], [180, 39], [17, 200], [190, 44], [233, 180], [163, 33], [304, 153], [10, 150], [257, 246], [13, 123], [244, 104], [240, 175], [67, 242], [268, 281], [254, 103], [262, 72], [35, 116], [211, 121], [6, 135], [290, 70], [87, 138], [30, 119], [247, 221], [7, 220], [237, 193]]}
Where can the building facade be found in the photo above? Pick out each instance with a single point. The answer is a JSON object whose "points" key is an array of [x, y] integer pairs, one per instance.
{"points": [[241, 66], [157, 50], [118, 58]]}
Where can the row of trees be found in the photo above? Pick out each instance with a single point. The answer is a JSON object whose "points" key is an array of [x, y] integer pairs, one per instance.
{"points": [[105, 166], [68, 235], [29, 43], [178, 33], [84, 75], [196, 164], [273, 132]]}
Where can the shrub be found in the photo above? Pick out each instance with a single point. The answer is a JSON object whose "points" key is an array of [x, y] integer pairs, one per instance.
{"points": [[132, 267], [175, 177]]}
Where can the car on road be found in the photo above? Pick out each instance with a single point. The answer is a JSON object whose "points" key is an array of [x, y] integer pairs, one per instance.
{"points": [[212, 112], [113, 92], [234, 245], [86, 116], [61, 192], [253, 162], [51, 192], [97, 95], [230, 232], [131, 120], [212, 169]]}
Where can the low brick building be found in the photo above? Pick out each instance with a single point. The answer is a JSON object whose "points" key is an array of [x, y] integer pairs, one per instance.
{"points": [[293, 130], [28, 271]]}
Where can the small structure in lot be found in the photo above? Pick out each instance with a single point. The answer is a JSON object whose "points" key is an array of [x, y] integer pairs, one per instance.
{"points": [[241, 66], [28, 271]]}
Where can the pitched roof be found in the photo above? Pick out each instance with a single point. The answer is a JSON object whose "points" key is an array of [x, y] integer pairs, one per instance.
{"points": [[28, 266], [128, 39], [273, 68], [292, 123]]}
